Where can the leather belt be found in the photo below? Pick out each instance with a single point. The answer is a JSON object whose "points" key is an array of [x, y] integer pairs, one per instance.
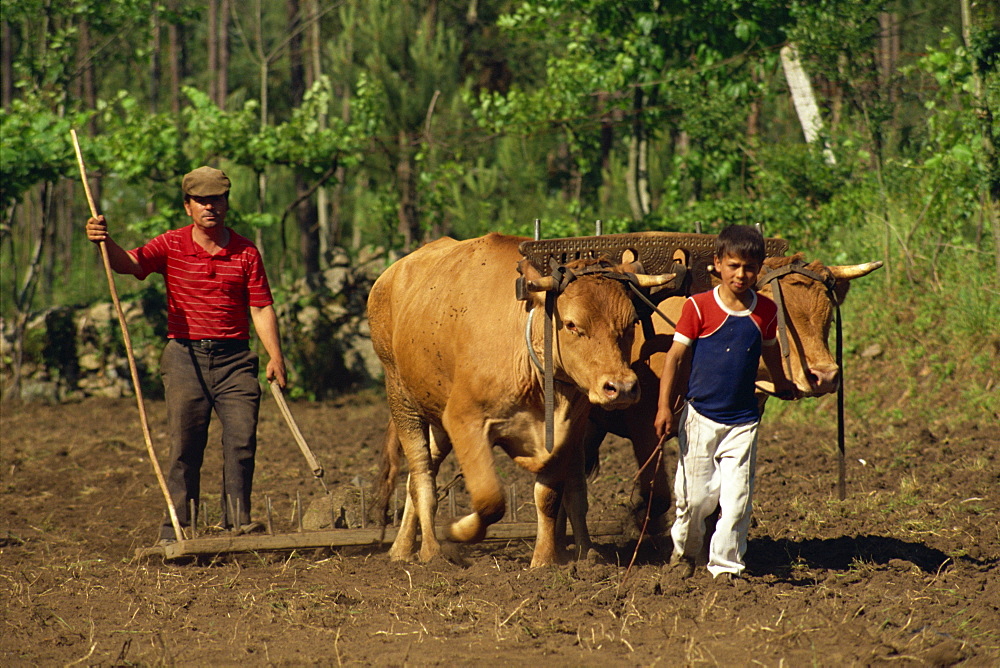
{"points": [[216, 345]]}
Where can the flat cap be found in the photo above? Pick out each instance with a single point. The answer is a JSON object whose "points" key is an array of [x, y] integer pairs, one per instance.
{"points": [[205, 182]]}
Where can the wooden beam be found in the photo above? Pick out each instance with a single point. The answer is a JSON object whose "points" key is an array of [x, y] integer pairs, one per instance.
{"points": [[229, 544]]}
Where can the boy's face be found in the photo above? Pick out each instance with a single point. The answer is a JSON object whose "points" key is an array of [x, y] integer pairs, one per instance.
{"points": [[739, 274]]}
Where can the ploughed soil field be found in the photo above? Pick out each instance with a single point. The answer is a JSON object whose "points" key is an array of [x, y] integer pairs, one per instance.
{"points": [[905, 572]]}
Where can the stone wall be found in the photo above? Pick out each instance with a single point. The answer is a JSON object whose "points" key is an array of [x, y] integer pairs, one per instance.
{"points": [[70, 352]]}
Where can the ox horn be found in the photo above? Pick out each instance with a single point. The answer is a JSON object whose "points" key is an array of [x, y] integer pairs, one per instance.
{"points": [[542, 284], [851, 271], [654, 280]]}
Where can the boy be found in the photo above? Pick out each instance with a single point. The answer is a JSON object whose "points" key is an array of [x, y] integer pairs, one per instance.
{"points": [[722, 334]]}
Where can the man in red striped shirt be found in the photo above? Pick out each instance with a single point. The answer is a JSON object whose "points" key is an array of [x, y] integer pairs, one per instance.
{"points": [[215, 284]]}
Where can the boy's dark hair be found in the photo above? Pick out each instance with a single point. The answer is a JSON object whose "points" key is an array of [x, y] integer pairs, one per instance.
{"points": [[742, 241]]}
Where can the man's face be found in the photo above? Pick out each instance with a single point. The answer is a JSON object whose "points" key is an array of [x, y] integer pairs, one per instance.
{"points": [[738, 274], [207, 212]]}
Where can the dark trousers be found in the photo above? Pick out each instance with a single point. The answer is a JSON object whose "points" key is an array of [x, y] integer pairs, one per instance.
{"points": [[198, 380]]}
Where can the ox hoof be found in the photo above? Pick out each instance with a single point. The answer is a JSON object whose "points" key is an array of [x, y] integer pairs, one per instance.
{"points": [[453, 553], [401, 555], [538, 561], [428, 554]]}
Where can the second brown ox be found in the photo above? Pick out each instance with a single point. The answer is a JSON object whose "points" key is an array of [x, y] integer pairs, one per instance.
{"points": [[809, 307], [451, 335]]}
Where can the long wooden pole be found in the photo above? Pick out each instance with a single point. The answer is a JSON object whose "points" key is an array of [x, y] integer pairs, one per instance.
{"points": [[178, 534]]}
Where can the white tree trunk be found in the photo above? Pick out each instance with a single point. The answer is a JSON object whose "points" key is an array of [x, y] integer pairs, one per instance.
{"points": [[804, 98]]}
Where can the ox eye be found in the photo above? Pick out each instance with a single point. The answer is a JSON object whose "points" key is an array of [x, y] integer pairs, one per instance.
{"points": [[571, 326]]}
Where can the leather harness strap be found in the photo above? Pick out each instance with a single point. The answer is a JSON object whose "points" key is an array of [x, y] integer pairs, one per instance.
{"points": [[563, 277], [830, 283]]}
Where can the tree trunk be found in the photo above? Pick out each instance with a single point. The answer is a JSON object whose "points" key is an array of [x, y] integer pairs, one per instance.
{"points": [[637, 174], [409, 226], [87, 93], [313, 74], [888, 53], [606, 143], [222, 82], [212, 48], [176, 56], [804, 98], [305, 211], [6, 65], [296, 69], [985, 116], [155, 73], [753, 114]]}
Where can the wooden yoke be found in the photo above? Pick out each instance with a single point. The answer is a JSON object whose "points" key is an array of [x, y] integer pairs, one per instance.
{"points": [[658, 253]]}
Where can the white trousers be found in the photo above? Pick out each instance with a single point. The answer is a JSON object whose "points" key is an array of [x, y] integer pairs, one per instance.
{"points": [[716, 467]]}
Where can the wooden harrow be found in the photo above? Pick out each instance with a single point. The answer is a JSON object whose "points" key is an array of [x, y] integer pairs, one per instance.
{"points": [[303, 539]]}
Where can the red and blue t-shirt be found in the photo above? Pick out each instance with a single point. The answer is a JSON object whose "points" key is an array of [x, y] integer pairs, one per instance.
{"points": [[208, 296], [726, 347]]}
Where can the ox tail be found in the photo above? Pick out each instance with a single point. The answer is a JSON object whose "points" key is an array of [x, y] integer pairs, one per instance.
{"points": [[392, 450]]}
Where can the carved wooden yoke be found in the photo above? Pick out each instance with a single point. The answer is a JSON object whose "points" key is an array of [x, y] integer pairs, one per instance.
{"points": [[658, 253]]}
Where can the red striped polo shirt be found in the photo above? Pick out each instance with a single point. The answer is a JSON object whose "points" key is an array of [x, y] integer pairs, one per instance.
{"points": [[208, 296]]}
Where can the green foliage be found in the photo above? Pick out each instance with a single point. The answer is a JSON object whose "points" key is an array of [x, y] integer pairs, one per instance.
{"points": [[35, 147]]}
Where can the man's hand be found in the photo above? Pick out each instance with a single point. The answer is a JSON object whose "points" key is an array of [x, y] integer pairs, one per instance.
{"points": [[276, 372], [97, 229]]}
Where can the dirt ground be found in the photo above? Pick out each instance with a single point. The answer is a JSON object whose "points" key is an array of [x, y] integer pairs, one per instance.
{"points": [[902, 573]]}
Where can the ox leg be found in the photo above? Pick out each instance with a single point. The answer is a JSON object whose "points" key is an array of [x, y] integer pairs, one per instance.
{"points": [[406, 539], [421, 502], [574, 507], [475, 458], [547, 502]]}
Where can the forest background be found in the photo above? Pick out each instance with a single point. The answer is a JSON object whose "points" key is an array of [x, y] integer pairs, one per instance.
{"points": [[361, 128]]}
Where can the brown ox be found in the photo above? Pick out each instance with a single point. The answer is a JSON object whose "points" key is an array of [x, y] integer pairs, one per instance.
{"points": [[451, 335], [809, 307]]}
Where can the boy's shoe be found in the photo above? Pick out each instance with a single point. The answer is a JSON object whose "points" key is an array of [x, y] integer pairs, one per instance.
{"points": [[733, 580], [682, 566]]}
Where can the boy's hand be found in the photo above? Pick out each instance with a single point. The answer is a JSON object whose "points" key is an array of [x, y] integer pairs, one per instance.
{"points": [[787, 391], [666, 423]]}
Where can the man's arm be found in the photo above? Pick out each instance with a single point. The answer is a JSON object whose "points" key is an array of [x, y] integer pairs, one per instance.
{"points": [[265, 322], [120, 260], [667, 410], [783, 388]]}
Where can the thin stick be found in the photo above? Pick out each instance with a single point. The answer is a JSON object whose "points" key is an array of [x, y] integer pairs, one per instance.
{"points": [[298, 510], [658, 451], [364, 509], [178, 534], [193, 520], [300, 440]]}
